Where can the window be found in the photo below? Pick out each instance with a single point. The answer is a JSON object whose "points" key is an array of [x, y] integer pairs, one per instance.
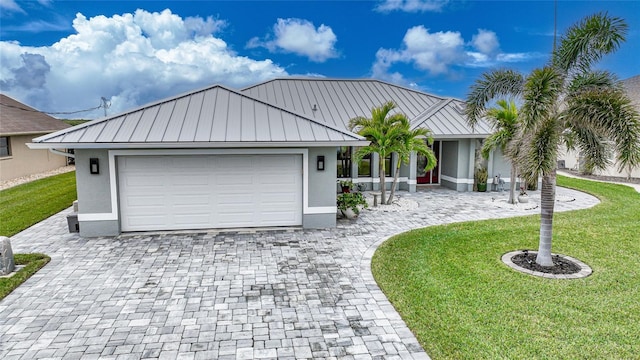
{"points": [[364, 166], [387, 166], [5, 149], [344, 162]]}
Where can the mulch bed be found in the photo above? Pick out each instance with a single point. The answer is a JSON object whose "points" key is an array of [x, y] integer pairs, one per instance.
{"points": [[561, 265]]}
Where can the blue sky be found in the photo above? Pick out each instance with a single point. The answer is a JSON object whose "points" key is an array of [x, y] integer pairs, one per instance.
{"points": [[66, 55]]}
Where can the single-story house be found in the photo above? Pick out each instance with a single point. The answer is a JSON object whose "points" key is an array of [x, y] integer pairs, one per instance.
{"points": [[267, 155], [574, 160], [19, 124]]}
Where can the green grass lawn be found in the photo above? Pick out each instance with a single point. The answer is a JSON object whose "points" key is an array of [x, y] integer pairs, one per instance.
{"points": [[27, 204], [462, 302], [32, 262]]}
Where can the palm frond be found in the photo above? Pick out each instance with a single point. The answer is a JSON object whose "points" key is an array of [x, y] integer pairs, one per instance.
{"points": [[492, 84], [541, 149], [611, 115], [592, 80], [588, 41], [593, 147], [541, 95]]}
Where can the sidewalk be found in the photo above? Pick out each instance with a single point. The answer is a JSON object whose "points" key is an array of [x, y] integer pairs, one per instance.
{"points": [[567, 174]]}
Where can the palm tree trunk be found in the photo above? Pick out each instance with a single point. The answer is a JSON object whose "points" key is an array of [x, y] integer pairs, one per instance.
{"points": [[383, 189], [512, 184], [395, 182], [547, 202]]}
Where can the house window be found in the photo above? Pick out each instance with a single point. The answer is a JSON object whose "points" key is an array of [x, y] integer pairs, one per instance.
{"points": [[5, 149], [364, 166], [344, 162], [387, 166]]}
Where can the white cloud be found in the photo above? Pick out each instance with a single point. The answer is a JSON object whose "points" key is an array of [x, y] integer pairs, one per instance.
{"points": [[300, 37], [437, 53], [130, 59], [411, 5], [432, 52], [485, 41], [519, 57], [10, 6]]}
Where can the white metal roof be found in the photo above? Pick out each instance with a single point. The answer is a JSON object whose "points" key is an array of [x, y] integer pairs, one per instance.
{"points": [[212, 117], [336, 101]]}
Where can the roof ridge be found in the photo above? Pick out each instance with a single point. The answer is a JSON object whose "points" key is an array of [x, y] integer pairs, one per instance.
{"points": [[299, 78], [124, 113], [423, 116]]}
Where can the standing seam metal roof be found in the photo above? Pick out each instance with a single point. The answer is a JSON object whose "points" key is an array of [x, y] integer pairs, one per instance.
{"points": [[337, 101], [211, 115]]}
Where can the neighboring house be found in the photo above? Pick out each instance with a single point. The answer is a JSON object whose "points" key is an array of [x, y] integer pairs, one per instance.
{"points": [[268, 155], [573, 160], [19, 124]]}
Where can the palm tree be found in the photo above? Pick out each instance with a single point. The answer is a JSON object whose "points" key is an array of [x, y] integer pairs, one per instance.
{"points": [[504, 120], [383, 130], [418, 141], [567, 99]]}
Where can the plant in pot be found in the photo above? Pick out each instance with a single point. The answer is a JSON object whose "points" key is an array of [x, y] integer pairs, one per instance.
{"points": [[350, 204], [346, 185], [523, 197], [481, 176]]}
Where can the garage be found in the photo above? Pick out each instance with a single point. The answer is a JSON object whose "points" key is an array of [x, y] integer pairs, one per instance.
{"points": [[213, 158], [181, 192]]}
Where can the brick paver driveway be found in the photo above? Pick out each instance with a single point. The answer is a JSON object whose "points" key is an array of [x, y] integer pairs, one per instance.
{"points": [[206, 295]]}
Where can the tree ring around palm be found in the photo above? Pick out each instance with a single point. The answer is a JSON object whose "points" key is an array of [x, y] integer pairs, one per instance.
{"points": [[565, 267]]}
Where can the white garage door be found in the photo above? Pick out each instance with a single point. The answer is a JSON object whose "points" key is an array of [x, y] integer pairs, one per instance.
{"points": [[209, 191]]}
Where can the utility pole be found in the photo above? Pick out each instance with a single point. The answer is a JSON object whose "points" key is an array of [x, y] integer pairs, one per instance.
{"points": [[105, 105]]}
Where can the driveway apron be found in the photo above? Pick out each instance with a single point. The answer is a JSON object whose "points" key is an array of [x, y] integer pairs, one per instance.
{"points": [[286, 293]]}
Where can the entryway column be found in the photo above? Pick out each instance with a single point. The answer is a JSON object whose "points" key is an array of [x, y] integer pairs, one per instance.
{"points": [[413, 171], [375, 171]]}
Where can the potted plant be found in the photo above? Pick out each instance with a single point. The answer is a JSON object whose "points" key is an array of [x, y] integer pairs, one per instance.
{"points": [[523, 197], [481, 176], [350, 204], [346, 185]]}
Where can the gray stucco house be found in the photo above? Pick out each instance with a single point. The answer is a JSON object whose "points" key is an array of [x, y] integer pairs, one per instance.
{"points": [[267, 155]]}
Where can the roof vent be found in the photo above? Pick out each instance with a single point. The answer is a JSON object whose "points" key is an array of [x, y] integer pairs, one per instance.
{"points": [[315, 107]]}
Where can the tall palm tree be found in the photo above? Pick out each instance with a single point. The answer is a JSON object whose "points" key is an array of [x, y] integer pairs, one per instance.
{"points": [[383, 130], [504, 119], [567, 97], [418, 141]]}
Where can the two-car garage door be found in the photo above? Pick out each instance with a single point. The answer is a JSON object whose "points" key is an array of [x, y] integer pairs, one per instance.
{"points": [[209, 191]]}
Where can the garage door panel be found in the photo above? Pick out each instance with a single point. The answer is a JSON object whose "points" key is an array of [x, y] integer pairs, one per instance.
{"points": [[146, 201], [276, 198], [197, 219], [157, 221], [190, 179], [189, 200], [212, 191]]}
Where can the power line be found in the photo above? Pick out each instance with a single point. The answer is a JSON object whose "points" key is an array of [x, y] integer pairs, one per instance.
{"points": [[104, 104]]}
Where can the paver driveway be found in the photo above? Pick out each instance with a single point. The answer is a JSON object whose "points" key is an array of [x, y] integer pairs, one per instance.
{"points": [[205, 295]]}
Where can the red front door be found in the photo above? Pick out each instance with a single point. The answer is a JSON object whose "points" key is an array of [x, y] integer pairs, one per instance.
{"points": [[429, 177]]}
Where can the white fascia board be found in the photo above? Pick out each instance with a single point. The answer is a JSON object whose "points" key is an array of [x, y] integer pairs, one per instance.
{"points": [[199, 145]]}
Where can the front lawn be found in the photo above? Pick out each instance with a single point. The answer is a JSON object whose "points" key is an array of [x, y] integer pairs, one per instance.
{"points": [[462, 302], [27, 204]]}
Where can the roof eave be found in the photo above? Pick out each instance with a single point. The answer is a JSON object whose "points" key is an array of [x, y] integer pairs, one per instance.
{"points": [[203, 145]]}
